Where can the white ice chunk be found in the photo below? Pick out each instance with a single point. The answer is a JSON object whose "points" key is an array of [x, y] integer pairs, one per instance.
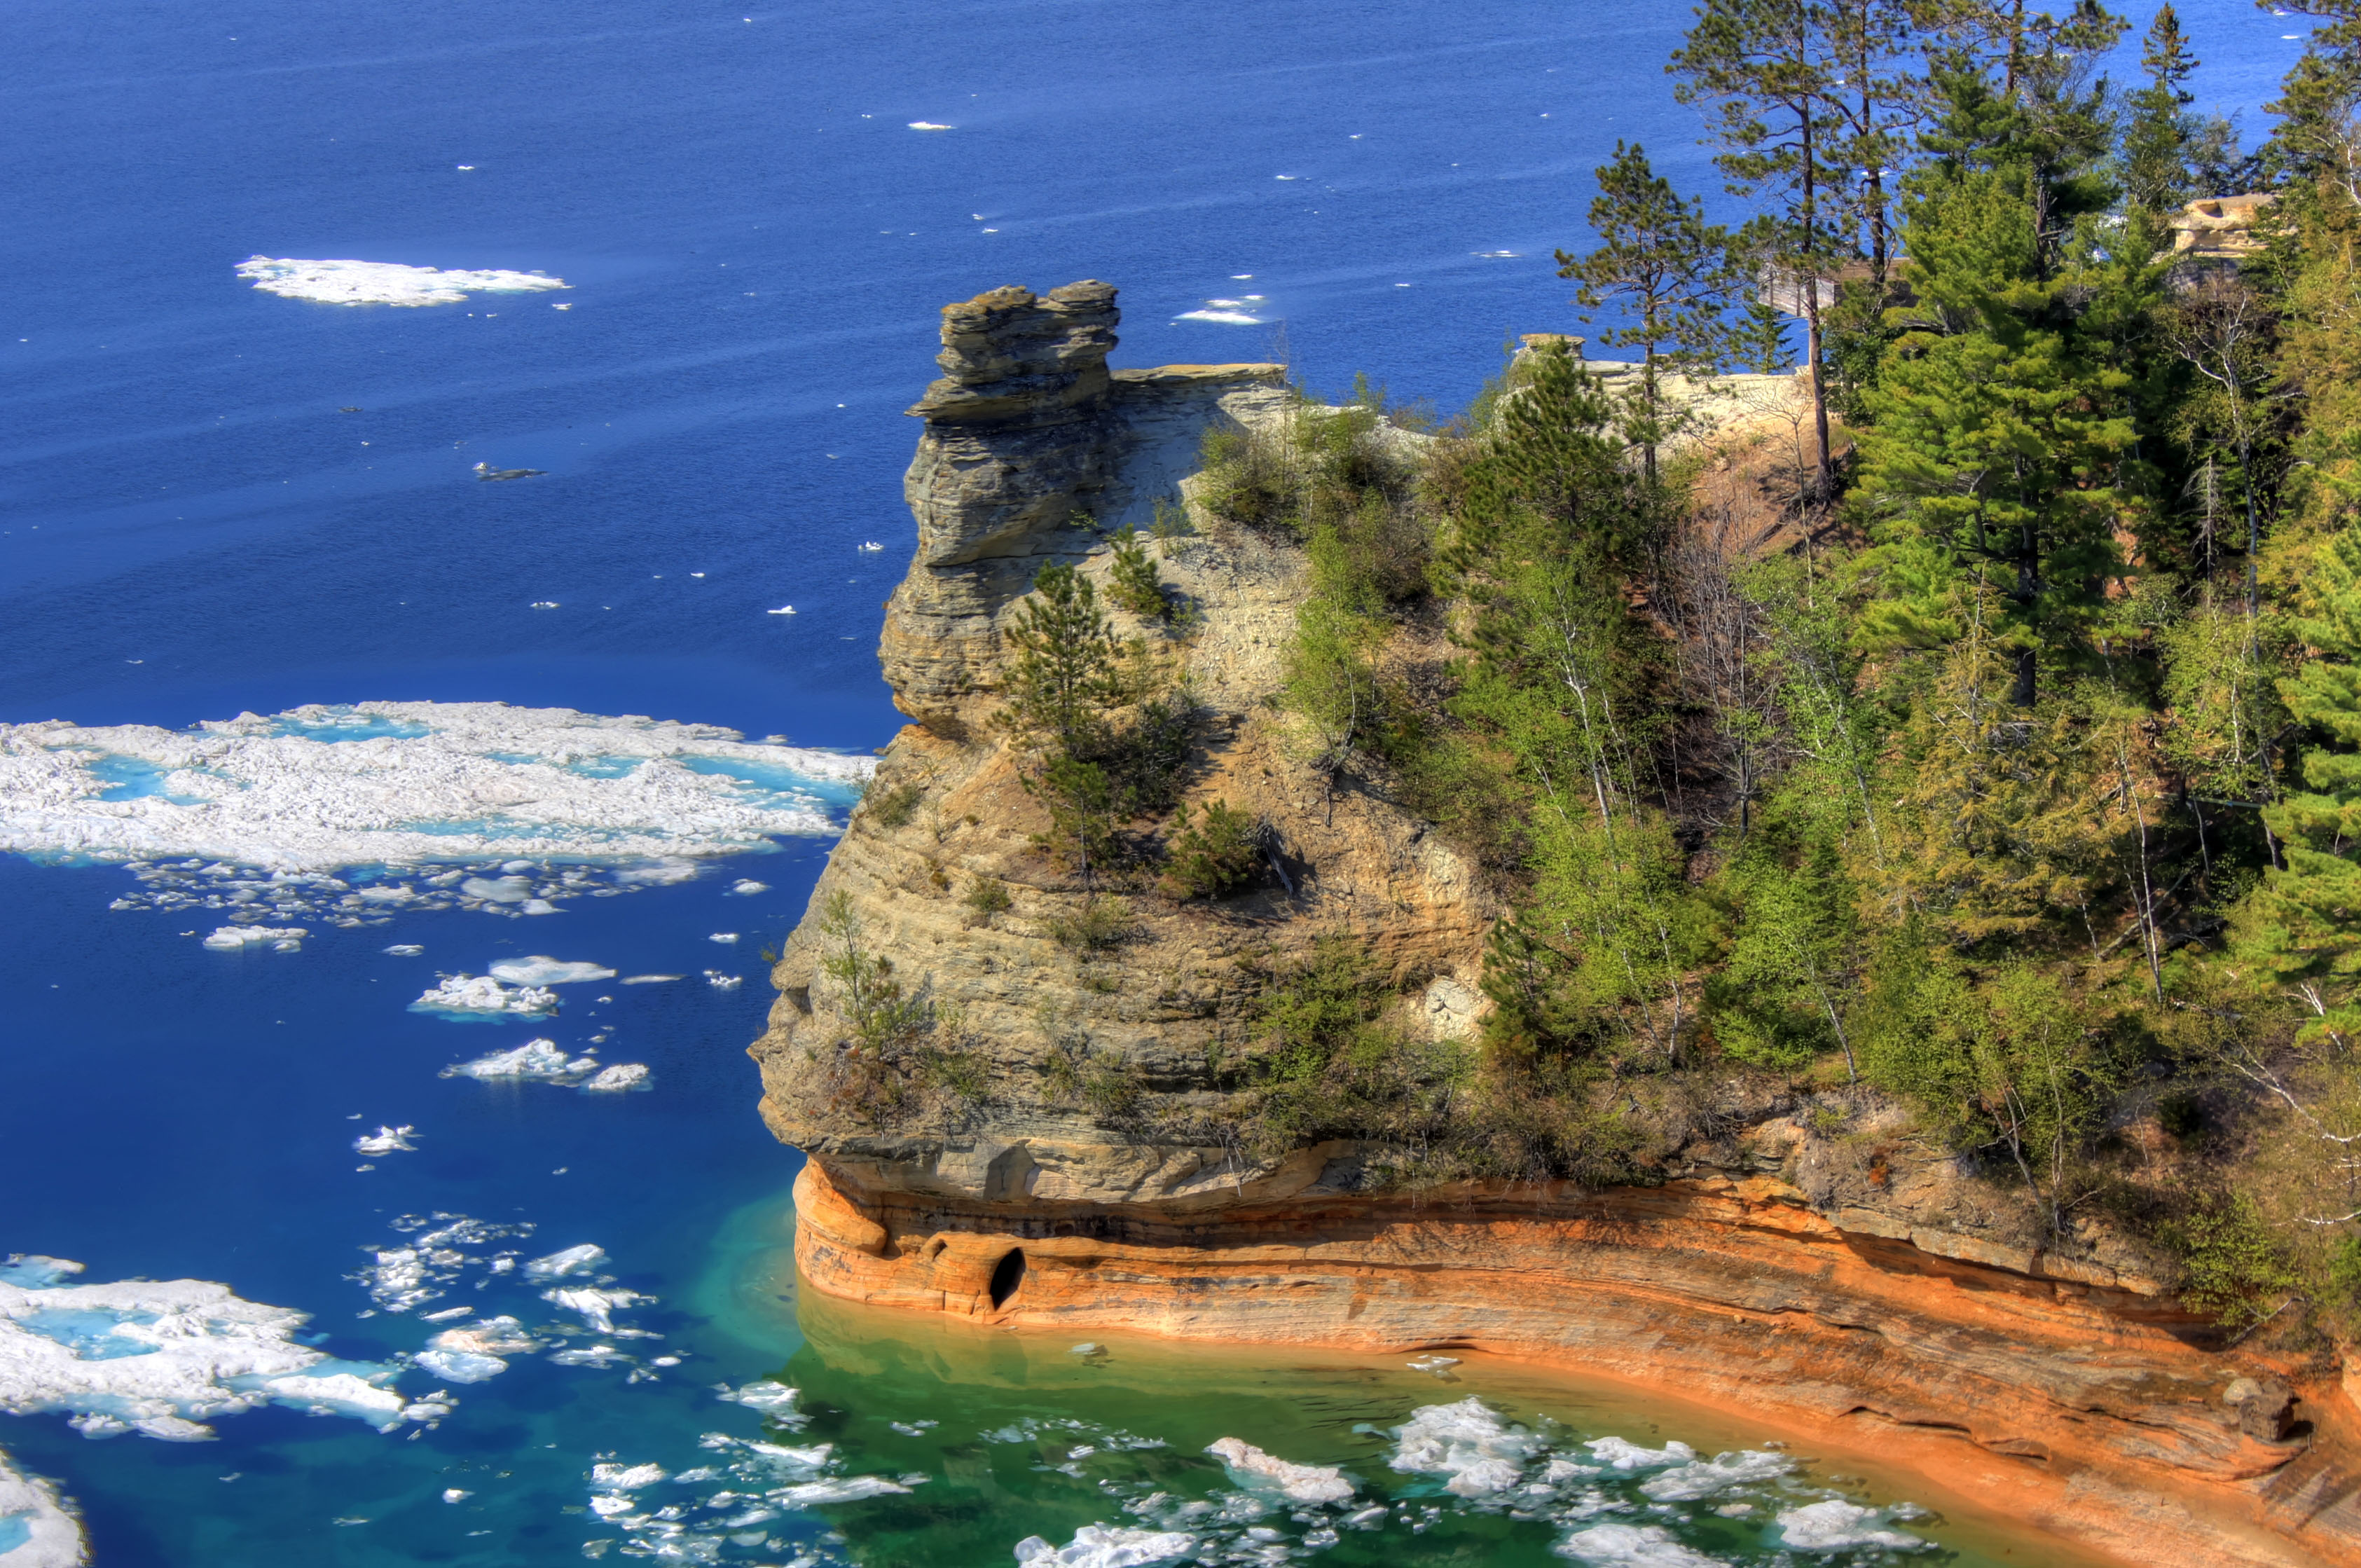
{"points": [[650, 979], [1632, 1546], [36, 1530], [1619, 1454], [386, 1140], [383, 282], [484, 996], [1096, 1546], [1250, 1466], [237, 938], [1835, 1525], [1694, 1482], [498, 1336], [456, 1494], [746, 887], [461, 1367], [536, 1059], [596, 1307], [163, 1357], [723, 937], [773, 1400], [542, 971], [398, 783], [835, 1489], [1226, 318], [587, 1258], [1465, 1441], [624, 1478], [614, 1079], [928, 125], [404, 949]]}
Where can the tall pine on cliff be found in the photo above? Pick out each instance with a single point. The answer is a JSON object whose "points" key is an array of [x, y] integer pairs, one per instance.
{"points": [[2306, 918], [2001, 425]]}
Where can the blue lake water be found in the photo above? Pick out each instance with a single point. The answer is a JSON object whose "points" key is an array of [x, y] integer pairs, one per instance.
{"points": [[193, 525]]}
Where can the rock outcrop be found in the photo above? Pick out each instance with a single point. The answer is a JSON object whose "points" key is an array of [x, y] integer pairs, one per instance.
{"points": [[1080, 1167]]}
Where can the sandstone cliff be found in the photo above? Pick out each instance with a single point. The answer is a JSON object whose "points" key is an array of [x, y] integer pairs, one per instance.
{"points": [[1076, 1167]]}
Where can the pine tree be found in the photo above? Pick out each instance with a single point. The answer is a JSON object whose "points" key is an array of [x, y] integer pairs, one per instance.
{"points": [[2157, 137], [1762, 69], [2305, 925], [2001, 425], [2318, 102], [1064, 676], [1670, 271]]}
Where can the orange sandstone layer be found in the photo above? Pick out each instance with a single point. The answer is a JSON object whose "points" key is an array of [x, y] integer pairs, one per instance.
{"points": [[2088, 1410]]}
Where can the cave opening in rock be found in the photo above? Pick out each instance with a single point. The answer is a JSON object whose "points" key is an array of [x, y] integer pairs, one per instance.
{"points": [[1006, 1276]]}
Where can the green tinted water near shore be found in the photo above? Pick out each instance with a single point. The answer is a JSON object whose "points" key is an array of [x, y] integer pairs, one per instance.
{"points": [[1018, 1435]]}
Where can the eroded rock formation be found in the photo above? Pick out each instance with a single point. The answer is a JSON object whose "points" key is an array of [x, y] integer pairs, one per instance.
{"points": [[1081, 1170]]}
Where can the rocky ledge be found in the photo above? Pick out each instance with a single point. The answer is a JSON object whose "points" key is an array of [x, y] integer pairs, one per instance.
{"points": [[1080, 1174]]}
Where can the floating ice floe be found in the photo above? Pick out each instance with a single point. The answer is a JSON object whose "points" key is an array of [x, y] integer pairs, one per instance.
{"points": [[481, 996], [1836, 1525], [774, 1400], [460, 1365], [539, 970], [402, 1277], [487, 1338], [652, 979], [1096, 1546], [164, 1358], [1621, 1453], [723, 937], [587, 1258], [1249, 1467], [928, 125], [615, 1079], [36, 1529], [1225, 318], [237, 938], [1695, 1482], [405, 950], [1632, 1546], [540, 1061], [746, 887], [596, 1308], [383, 282], [411, 792], [1437, 1364], [386, 1140], [720, 981], [1480, 1453]]}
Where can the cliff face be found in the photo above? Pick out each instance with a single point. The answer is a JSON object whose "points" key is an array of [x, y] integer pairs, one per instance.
{"points": [[1076, 1171]]}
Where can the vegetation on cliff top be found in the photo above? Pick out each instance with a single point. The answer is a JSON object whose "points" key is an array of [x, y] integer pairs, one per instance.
{"points": [[1999, 753]]}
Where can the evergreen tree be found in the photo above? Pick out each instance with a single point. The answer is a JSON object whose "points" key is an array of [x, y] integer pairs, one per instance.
{"points": [[1670, 271], [2305, 925], [1781, 995], [1065, 675], [2317, 104], [1761, 67], [1875, 102], [2000, 421], [2158, 138]]}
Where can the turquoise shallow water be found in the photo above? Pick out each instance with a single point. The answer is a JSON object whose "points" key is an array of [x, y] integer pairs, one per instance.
{"points": [[215, 500]]}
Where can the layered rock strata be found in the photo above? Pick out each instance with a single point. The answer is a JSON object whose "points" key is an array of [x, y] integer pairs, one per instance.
{"points": [[1082, 1179]]}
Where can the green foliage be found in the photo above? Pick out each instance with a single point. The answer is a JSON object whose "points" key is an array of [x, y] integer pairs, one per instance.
{"points": [[986, 897], [891, 808], [1215, 854], [1671, 272], [2232, 1267], [2013, 1061], [1066, 673], [2161, 132], [1329, 1068], [1098, 923], [1134, 582], [1780, 996]]}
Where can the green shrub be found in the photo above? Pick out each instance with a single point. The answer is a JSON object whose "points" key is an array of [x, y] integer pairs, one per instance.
{"points": [[2231, 1264], [1215, 854], [1100, 922], [895, 806], [1134, 583], [1170, 527], [986, 898]]}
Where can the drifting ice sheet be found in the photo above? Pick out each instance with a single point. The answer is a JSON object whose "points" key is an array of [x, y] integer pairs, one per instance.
{"points": [[399, 783], [1465, 1441], [382, 282], [1095, 1546], [1249, 1467], [163, 1357], [542, 970], [483, 997], [36, 1531]]}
